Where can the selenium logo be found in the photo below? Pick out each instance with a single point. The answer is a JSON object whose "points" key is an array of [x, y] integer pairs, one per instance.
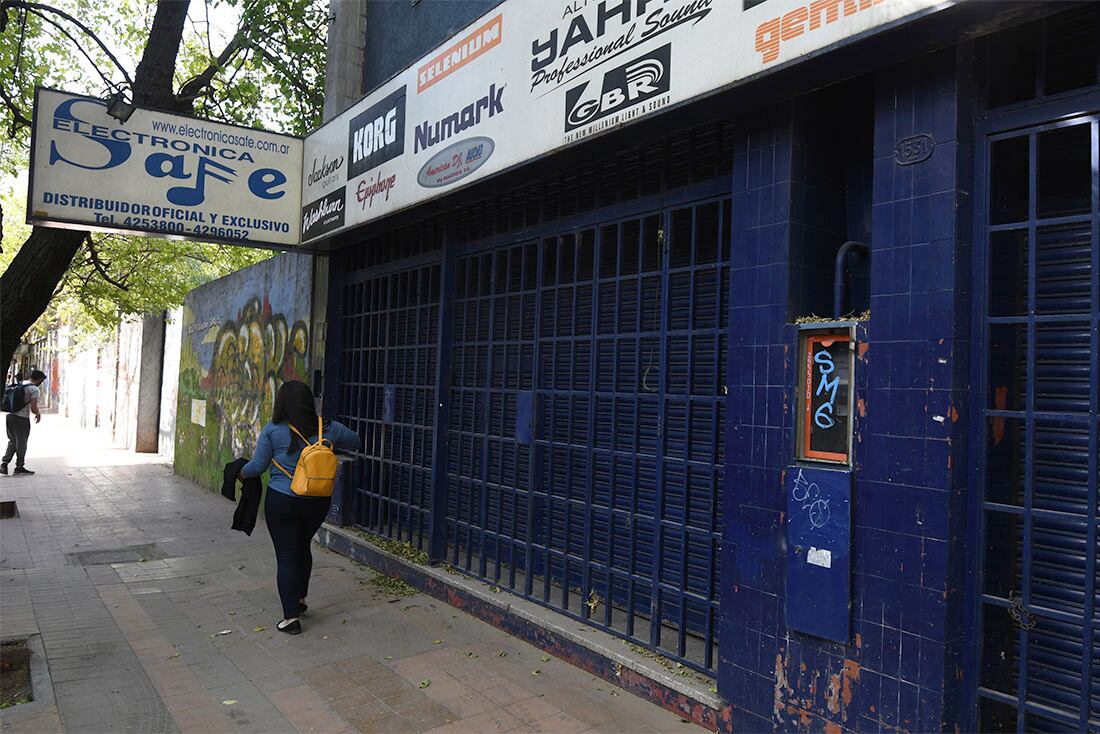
{"points": [[630, 84]]}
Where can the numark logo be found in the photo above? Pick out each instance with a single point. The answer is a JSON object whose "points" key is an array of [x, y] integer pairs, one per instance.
{"points": [[428, 134]]}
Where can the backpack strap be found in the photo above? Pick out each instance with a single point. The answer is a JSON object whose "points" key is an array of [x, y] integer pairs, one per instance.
{"points": [[284, 471], [304, 439]]}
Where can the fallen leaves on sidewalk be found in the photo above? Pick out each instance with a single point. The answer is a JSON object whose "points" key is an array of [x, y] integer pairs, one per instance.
{"points": [[259, 629], [425, 683], [229, 701]]}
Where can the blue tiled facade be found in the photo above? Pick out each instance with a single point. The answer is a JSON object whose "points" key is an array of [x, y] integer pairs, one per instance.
{"points": [[909, 460], [806, 164]]}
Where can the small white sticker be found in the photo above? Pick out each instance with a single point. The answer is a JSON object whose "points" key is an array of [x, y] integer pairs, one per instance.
{"points": [[198, 412], [820, 557]]}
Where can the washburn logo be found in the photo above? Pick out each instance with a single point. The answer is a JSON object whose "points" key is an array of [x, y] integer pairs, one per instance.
{"points": [[367, 189], [326, 169], [633, 83], [620, 25], [465, 50], [428, 134], [377, 134], [323, 215]]}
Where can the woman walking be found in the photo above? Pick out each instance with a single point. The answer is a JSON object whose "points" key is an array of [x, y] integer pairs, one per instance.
{"points": [[292, 520]]}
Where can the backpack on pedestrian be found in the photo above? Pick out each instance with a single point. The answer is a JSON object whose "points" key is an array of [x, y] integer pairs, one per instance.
{"points": [[15, 398], [315, 473]]}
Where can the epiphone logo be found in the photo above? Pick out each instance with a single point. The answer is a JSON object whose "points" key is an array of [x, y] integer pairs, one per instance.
{"points": [[327, 169]]}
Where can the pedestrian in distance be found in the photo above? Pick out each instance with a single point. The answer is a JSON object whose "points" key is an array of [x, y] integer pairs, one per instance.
{"points": [[20, 400], [296, 446]]}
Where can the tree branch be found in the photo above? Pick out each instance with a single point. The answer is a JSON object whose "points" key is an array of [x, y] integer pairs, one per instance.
{"points": [[100, 267], [18, 118], [196, 85], [41, 9], [76, 43], [294, 79]]}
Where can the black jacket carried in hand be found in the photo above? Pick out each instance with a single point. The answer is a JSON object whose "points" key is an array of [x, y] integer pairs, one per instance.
{"points": [[244, 517]]}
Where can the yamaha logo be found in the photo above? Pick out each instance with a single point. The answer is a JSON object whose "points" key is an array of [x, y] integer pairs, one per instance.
{"points": [[633, 83]]}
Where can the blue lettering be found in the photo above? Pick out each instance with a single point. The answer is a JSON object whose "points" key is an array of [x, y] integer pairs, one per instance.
{"points": [[263, 180], [64, 119]]}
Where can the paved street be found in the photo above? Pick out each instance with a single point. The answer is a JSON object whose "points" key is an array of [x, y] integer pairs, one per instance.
{"points": [[155, 617]]}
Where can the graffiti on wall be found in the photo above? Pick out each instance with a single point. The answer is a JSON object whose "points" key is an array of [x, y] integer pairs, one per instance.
{"points": [[253, 355], [242, 337]]}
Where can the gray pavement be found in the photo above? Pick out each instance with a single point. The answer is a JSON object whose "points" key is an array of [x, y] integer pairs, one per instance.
{"points": [[155, 617]]}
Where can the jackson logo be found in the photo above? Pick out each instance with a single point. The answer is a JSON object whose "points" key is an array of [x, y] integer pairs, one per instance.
{"points": [[465, 50], [367, 189], [620, 25], [455, 162], [428, 134], [631, 84], [326, 169], [377, 134], [323, 215]]}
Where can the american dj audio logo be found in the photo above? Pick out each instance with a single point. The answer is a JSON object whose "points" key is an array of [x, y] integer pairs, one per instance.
{"points": [[631, 84]]}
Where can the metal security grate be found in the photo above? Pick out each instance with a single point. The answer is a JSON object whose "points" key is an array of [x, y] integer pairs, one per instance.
{"points": [[585, 464], [1040, 577], [578, 449], [390, 339]]}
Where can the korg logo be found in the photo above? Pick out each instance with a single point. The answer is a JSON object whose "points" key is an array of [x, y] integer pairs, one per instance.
{"points": [[377, 134], [628, 85]]}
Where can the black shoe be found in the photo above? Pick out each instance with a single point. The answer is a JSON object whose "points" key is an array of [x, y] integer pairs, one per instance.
{"points": [[293, 628], [302, 607], [3, 468], [21, 470]]}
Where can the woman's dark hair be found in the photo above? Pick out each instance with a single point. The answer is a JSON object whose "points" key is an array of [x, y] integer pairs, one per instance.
{"points": [[294, 405]]}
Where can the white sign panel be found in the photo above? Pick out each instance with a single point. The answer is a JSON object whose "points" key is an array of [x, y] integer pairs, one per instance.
{"points": [[531, 77], [161, 175]]}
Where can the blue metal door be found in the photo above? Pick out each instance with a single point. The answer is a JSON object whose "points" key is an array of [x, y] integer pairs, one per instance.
{"points": [[585, 430], [1038, 304]]}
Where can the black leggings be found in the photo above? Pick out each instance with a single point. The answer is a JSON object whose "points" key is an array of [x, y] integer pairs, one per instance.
{"points": [[292, 522]]}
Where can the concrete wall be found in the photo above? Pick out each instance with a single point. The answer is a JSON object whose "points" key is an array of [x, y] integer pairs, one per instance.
{"points": [[128, 374], [243, 336], [169, 384]]}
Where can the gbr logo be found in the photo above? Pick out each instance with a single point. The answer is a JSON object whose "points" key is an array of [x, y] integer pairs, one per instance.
{"points": [[626, 86]]}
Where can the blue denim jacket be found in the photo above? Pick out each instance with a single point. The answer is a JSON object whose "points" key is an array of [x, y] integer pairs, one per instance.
{"points": [[274, 443]]}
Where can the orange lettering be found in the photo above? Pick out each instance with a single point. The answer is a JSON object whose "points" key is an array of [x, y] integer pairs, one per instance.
{"points": [[793, 22], [767, 40]]}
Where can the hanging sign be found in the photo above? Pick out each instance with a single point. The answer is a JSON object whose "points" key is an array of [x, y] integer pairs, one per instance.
{"points": [[529, 78], [161, 175]]}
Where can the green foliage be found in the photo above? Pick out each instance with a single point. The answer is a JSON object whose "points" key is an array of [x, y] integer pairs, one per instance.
{"points": [[269, 71]]}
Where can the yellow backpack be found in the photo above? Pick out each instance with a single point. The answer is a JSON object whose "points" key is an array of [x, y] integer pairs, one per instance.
{"points": [[315, 473]]}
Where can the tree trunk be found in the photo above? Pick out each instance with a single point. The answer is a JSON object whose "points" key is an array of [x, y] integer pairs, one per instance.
{"points": [[27, 286], [153, 80]]}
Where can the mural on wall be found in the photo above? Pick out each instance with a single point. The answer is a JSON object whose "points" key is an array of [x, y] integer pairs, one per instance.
{"points": [[243, 336]]}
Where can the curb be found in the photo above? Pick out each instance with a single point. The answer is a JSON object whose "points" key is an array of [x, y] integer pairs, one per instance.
{"points": [[597, 652]]}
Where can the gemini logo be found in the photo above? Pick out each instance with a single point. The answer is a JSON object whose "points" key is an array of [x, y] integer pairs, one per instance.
{"points": [[633, 83]]}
